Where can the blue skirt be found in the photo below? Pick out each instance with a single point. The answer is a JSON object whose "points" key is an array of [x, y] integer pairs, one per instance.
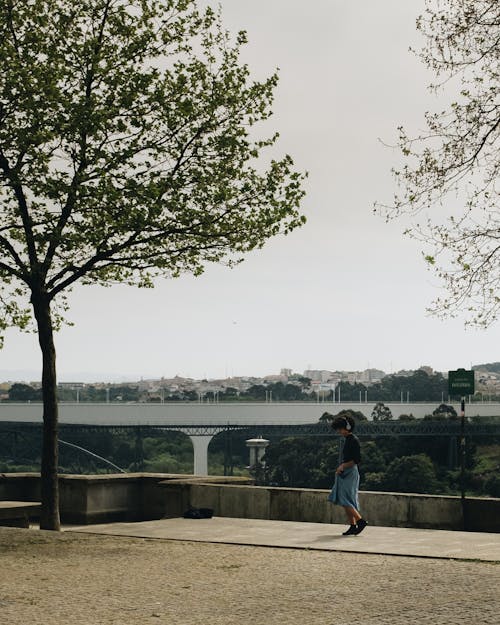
{"points": [[345, 488]]}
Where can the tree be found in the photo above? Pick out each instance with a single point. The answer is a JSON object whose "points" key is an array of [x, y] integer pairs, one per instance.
{"points": [[420, 385], [445, 410], [381, 412], [458, 156], [357, 415], [127, 152], [24, 392], [302, 462], [351, 392], [412, 474]]}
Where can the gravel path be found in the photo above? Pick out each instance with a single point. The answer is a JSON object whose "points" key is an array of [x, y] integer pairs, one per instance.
{"points": [[77, 579]]}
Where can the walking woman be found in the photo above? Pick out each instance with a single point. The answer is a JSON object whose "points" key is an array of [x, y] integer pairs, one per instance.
{"points": [[345, 489]]}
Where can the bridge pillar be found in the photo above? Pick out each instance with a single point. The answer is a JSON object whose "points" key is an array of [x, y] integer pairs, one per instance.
{"points": [[200, 453]]}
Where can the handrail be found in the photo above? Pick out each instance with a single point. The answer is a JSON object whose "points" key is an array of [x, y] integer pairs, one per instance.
{"points": [[91, 453]]}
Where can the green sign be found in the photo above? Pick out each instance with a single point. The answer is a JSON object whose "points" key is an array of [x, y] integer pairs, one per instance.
{"points": [[460, 382]]}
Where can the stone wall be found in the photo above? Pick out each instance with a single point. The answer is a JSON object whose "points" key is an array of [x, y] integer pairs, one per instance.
{"points": [[309, 505], [145, 496], [85, 499]]}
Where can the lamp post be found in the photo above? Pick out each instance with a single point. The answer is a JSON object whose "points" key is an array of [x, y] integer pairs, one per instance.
{"points": [[257, 448]]}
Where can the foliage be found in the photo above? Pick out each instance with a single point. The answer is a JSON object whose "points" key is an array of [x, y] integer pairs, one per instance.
{"points": [[307, 462], [374, 458], [444, 410], [127, 152], [301, 462], [419, 386], [351, 391], [414, 474], [357, 415], [458, 156], [381, 412], [490, 366], [492, 486], [140, 161], [24, 392]]}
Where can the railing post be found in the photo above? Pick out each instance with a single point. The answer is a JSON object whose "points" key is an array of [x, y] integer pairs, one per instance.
{"points": [[139, 449]]}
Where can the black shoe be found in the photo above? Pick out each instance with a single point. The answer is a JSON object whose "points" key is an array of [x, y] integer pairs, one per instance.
{"points": [[360, 526], [352, 531]]}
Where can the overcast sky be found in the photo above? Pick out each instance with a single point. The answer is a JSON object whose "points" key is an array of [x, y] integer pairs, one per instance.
{"points": [[347, 291]]}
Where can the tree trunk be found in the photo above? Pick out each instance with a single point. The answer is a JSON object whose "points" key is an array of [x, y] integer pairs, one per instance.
{"points": [[49, 517]]}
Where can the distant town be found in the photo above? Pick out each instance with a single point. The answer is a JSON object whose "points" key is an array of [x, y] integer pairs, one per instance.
{"points": [[421, 384]]}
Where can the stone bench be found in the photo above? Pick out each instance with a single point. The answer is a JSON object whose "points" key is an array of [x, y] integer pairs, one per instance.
{"points": [[18, 513]]}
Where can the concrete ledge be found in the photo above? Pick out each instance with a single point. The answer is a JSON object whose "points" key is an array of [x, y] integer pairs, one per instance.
{"points": [[482, 514], [88, 499], [382, 509], [18, 513], [107, 498]]}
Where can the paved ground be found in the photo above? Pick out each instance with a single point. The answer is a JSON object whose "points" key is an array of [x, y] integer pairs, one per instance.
{"points": [[82, 579], [378, 540]]}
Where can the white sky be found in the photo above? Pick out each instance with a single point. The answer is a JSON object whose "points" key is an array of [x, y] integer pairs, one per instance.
{"points": [[347, 291]]}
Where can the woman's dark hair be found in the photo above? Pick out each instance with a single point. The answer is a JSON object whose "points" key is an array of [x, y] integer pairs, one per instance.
{"points": [[343, 422]]}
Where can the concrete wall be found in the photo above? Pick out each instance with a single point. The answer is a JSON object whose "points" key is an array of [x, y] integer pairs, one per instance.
{"points": [[98, 498], [310, 505], [85, 499], [144, 496]]}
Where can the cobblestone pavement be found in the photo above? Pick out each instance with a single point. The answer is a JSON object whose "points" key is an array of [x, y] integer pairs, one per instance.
{"points": [[79, 579]]}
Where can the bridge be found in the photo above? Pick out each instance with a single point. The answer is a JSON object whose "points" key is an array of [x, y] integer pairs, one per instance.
{"points": [[201, 422]]}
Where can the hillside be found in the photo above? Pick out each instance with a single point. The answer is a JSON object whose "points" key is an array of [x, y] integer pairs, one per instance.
{"points": [[494, 367]]}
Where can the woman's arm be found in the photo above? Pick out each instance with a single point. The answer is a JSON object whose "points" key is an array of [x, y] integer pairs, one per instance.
{"points": [[344, 465]]}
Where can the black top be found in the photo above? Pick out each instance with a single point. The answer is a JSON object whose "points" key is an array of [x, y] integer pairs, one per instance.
{"points": [[352, 449]]}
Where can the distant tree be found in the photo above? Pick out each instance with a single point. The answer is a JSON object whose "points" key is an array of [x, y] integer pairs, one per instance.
{"points": [[256, 392], [381, 412], [24, 392], [406, 417], [292, 392], [420, 386], [304, 382], [65, 394], [302, 462], [126, 152], [492, 486], [355, 414], [230, 393], [444, 410], [278, 391], [92, 393], [127, 393], [351, 392], [458, 156], [373, 458], [327, 416], [412, 474], [490, 366]]}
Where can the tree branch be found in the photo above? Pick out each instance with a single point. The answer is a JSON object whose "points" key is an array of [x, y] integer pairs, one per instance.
{"points": [[72, 193], [15, 256], [23, 209]]}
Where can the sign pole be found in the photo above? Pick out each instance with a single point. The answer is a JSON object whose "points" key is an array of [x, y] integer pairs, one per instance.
{"points": [[462, 461], [462, 383]]}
